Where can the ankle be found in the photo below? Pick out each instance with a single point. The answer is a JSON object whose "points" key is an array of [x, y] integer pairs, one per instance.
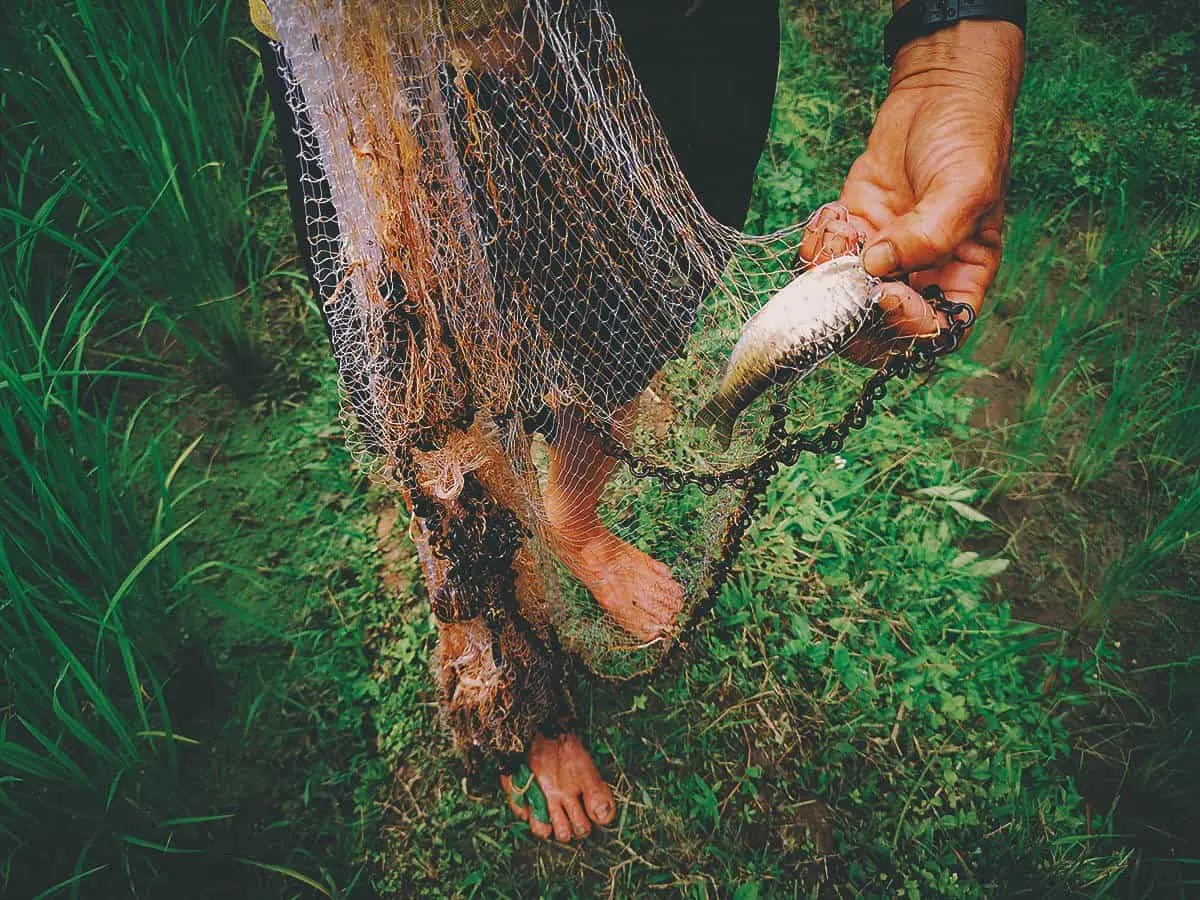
{"points": [[577, 532]]}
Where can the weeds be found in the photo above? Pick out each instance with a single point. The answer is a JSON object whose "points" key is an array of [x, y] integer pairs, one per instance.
{"points": [[86, 740], [1134, 573], [1144, 389]]}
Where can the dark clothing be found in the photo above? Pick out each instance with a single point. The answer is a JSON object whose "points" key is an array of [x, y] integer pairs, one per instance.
{"points": [[710, 75]]}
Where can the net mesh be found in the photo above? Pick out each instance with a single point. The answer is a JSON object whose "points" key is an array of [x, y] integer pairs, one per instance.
{"points": [[518, 280]]}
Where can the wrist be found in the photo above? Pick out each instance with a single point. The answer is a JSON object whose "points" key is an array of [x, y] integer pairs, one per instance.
{"points": [[978, 53]]}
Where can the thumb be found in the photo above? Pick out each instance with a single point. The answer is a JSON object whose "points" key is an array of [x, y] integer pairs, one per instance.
{"points": [[942, 219]]}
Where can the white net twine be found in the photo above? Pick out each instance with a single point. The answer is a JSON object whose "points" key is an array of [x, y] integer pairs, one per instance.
{"points": [[517, 275]]}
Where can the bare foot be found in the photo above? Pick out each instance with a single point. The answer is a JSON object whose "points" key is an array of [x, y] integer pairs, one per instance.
{"points": [[638, 591], [576, 795]]}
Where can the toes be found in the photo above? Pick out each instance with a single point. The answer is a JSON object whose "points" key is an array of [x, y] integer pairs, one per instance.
{"points": [[665, 620], [646, 631], [674, 597], [650, 624], [638, 591], [580, 823], [652, 609], [540, 829], [647, 618], [598, 799], [559, 820], [667, 602], [661, 568]]}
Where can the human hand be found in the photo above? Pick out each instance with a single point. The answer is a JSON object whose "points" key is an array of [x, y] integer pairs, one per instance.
{"points": [[926, 198]]}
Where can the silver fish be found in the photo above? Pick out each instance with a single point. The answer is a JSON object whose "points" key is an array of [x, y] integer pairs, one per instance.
{"points": [[794, 332]]}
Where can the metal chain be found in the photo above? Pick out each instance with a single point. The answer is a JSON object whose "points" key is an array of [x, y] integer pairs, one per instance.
{"points": [[482, 543], [785, 447]]}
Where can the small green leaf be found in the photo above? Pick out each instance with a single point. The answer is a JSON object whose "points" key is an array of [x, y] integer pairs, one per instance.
{"points": [[527, 792]]}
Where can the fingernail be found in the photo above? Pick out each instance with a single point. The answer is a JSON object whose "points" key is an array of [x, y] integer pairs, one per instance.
{"points": [[881, 259]]}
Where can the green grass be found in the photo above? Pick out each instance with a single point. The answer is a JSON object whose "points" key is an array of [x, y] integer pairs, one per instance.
{"points": [[87, 745], [962, 663], [1133, 573], [156, 109], [102, 787]]}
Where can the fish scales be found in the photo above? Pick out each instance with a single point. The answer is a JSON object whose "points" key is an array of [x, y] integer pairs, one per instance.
{"points": [[805, 323]]}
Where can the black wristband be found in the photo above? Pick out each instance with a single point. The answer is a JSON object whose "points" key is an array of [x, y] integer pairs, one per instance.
{"points": [[921, 17]]}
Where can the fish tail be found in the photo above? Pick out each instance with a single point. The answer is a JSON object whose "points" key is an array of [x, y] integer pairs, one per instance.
{"points": [[718, 415], [710, 412]]}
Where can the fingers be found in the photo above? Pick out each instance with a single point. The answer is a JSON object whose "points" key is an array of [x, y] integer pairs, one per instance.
{"points": [[904, 316], [967, 277], [829, 234], [964, 278], [944, 217]]}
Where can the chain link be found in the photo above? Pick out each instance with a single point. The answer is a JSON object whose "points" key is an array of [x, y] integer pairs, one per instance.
{"points": [[785, 447], [481, 543]]}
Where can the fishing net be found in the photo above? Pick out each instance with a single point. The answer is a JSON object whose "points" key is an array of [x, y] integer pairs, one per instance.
{"points": [[531, 313]]}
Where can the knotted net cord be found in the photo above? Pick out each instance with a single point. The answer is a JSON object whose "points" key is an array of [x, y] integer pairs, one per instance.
{"points": [[503, 243]]}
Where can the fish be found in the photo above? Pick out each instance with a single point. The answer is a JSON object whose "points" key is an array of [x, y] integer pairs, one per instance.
{"points": [[800, 327]]}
